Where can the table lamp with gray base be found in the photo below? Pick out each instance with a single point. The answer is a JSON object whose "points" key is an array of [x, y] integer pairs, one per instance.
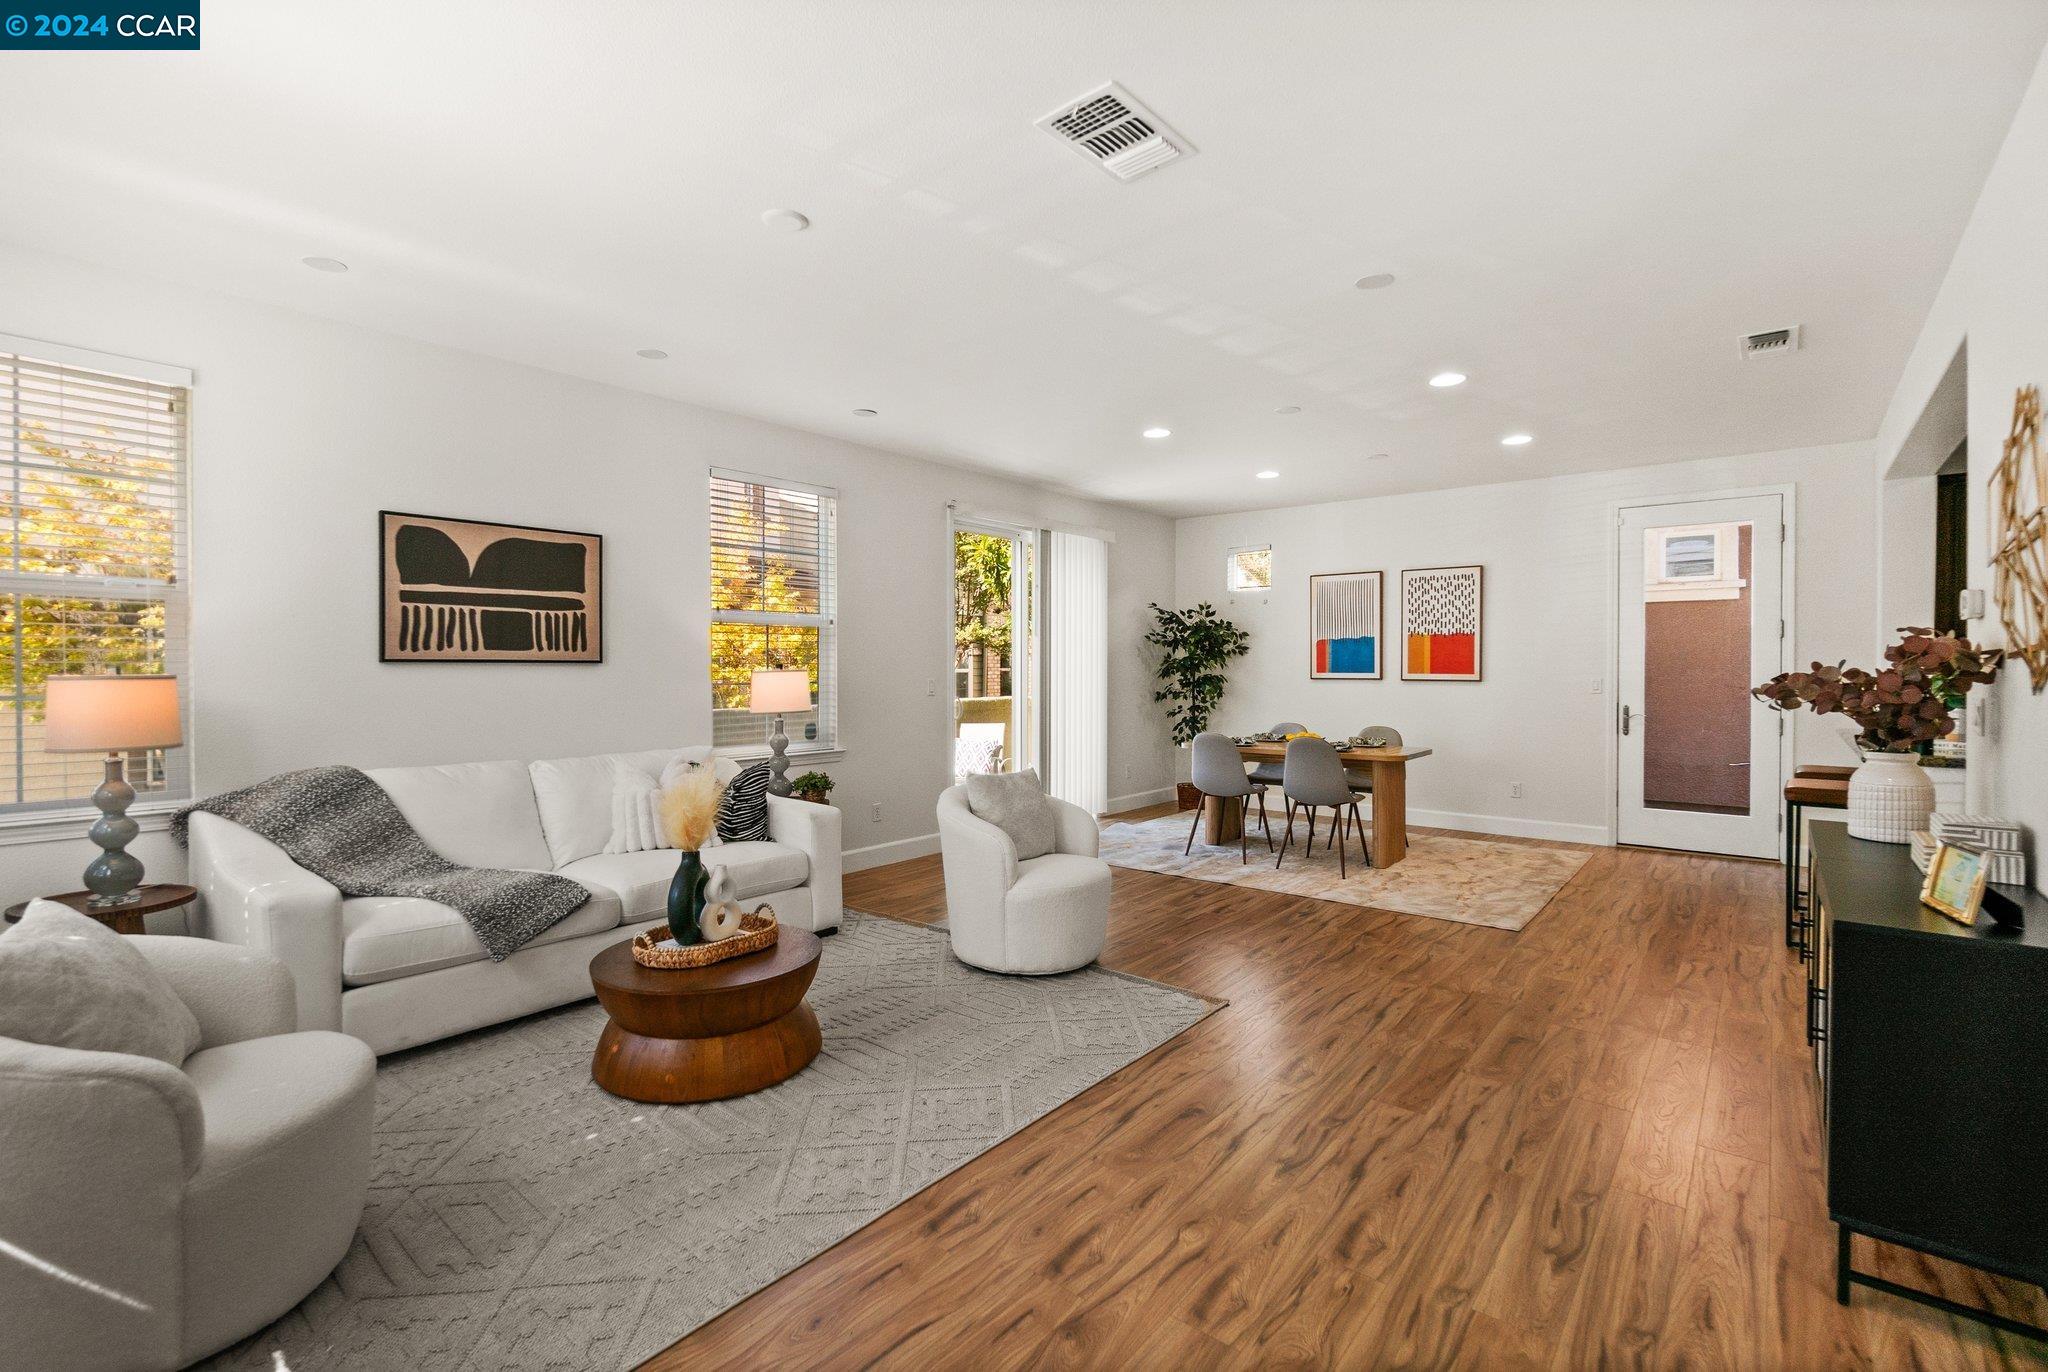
{"points": [[115, 715], [779, 693]]}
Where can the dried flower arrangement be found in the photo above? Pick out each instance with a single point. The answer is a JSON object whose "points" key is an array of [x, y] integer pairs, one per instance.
{"points": [[689, 809], [1908, 704]]}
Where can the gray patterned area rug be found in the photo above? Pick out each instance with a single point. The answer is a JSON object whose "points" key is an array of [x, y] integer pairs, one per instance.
{"points": [[519, 1217]]}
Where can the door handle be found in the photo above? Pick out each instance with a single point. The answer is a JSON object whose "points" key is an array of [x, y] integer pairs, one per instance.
{"points": [[1625, 718]]}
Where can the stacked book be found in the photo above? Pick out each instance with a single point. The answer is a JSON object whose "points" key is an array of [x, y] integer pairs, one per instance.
{"points": [[1923, 849], [1997, 839]]}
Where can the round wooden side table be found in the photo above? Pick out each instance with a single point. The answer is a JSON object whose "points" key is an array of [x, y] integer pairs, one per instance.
{"points": [[125, 918], [705, 1033]]}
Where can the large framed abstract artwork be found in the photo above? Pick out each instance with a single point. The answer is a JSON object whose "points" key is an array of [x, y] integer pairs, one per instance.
{"points": [[1442, 614], [1344, 626], [459, 590]]}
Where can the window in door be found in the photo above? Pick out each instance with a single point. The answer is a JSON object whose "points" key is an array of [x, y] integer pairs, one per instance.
{"points": [[1696, 704]]}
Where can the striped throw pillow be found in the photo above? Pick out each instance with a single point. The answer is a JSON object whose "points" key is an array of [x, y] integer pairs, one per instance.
{"points": [[743, 811]]}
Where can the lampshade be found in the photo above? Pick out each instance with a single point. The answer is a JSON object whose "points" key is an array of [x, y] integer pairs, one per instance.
{"points": [[780, 693], [110, 714]]}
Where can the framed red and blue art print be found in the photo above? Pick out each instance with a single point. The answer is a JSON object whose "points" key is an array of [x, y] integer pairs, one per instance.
{"points": [[1344, 626]]}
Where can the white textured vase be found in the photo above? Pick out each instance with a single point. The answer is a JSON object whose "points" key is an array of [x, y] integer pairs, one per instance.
{"points": [[1890, 798]]}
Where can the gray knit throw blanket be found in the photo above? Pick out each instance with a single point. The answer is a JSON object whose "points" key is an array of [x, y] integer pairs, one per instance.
{"points": [[342, 827]]}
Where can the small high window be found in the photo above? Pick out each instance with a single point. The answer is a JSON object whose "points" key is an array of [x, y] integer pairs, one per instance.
{"points": [[1249, 569]]}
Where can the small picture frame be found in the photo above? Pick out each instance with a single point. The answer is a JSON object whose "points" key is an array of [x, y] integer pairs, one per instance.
{"points": [[1955, 882]]}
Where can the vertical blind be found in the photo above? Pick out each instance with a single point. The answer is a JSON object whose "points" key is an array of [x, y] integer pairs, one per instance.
{"points": [[1077, 671], [774, 600], [92, 551]]}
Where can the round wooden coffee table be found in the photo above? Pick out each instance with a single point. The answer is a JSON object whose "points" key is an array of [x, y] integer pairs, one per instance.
{"points": [[705, 1033]]}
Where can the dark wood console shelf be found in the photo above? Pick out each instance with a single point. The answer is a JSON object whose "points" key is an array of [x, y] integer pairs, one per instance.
{"points": [[1929, 1038]]}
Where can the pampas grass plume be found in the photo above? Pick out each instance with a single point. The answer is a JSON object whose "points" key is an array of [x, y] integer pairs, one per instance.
{"points": [[689, 809]]}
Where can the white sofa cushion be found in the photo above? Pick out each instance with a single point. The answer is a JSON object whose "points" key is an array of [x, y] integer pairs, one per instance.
{"points": [[641, 879], [68, 981], [638, 825], [386, 937], [574, 796], [479, 814]]}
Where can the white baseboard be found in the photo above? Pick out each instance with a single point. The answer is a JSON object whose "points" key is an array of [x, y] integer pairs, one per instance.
{"points": [[1510, 826], [882, 854], [1138, 800]]}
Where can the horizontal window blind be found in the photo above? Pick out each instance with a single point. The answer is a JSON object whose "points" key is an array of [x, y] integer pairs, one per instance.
{"points": [[92, 511], [773, 603]]}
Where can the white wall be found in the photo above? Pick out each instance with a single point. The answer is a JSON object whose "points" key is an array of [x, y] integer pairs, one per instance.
{"points": [[1546, 545], [1995, 299], [303, 429], [1906, 574]]}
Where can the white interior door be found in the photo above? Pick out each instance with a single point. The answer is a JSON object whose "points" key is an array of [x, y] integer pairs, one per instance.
{"points": [[1700, 619]]}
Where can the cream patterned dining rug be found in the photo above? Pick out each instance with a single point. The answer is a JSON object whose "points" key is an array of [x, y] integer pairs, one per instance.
{"points": [[1470, 880], [519, 1217]]}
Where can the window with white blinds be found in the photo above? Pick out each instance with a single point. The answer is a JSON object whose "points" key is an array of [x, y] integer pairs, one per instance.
{"points": [[92, 549], [774, 599]]}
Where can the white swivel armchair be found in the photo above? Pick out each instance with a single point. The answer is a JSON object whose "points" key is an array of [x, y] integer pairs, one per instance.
{"points": [[153, 1215], [1043, 914]]}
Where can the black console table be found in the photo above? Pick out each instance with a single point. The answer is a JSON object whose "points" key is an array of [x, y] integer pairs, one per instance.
{"points": [[1932, 1044]]}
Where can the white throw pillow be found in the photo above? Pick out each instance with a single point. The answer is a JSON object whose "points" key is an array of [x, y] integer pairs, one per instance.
{"points": [[68, 981], [1015, 802], [636, 800]]}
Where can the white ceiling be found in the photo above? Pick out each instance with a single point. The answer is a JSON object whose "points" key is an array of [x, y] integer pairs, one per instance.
{"points": [[1586, 204]]}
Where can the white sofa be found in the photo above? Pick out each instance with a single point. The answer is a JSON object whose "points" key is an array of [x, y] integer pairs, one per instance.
{"points": [[166, 1212], [1044, 914], [398, 972]]}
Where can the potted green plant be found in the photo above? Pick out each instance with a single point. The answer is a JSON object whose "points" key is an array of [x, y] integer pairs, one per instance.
{"points": [[815, 787], [1194, 648], [1898, 712]]}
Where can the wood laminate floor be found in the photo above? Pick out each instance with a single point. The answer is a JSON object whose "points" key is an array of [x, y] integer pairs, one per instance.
{"points": [[1405, 1143]]}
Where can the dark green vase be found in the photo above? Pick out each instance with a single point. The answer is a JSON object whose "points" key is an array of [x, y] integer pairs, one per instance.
{"points": [[686, 899]]}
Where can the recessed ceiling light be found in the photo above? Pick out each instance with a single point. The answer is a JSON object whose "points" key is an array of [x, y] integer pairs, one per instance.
{"points": [[866, 414], [651, 354], [785, 221], [1517, 440], [1377, 457], [1156, 432], [1267, 476], [1443, 379], [1377, 282], [325, 264], [1288, 409]]}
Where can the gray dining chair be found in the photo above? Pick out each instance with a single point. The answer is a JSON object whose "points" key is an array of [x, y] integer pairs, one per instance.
{"points": [[1379, 736], [1313, 778], [1268, 773], [1218, 771]]}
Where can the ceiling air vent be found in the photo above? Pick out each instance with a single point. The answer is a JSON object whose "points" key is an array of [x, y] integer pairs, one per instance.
{"points": [[1770, 342], [1111, 129]]}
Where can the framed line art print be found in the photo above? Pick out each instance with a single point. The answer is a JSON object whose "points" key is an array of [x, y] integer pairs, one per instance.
{"points": [[1443, 611], [1344, 626], [462, 590]]}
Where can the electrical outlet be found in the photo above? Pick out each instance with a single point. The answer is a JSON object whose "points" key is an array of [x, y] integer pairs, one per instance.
{"points": [[1515, 790], [875, 815]]}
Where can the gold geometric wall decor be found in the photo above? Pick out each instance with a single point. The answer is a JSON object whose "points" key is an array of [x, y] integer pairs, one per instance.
{"points": [[2019, 538]]}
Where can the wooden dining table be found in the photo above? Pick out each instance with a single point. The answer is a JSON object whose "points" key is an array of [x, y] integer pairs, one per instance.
{"points": [[1389, 767]]}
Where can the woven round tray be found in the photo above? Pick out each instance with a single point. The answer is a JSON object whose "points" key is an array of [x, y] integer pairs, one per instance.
{"points": [[757, 931]]}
